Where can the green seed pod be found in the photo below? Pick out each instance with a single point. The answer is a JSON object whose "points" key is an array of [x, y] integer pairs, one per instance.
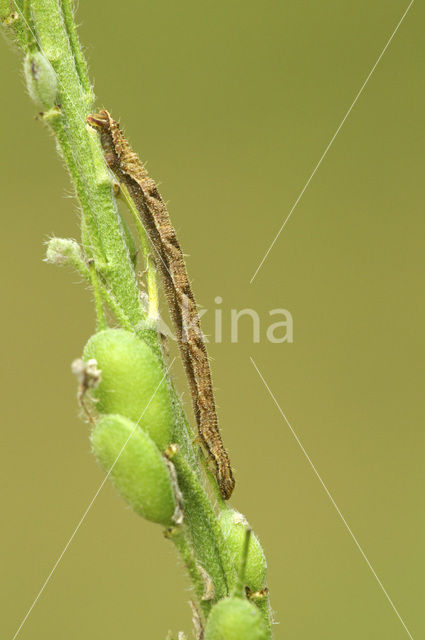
{"points": [[139, 472], [133, 383], [41, 79], [235, 619], [234, 527]]}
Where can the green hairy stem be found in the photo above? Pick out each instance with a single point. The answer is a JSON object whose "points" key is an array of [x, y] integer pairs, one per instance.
{"points": [[140, 434]]}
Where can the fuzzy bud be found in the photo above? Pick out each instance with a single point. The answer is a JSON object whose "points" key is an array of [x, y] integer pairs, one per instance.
{"points": [[63, 251], [41, 79]]}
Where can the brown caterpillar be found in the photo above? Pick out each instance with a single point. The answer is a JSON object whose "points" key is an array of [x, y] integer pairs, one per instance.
{"points": [[129, 171]]}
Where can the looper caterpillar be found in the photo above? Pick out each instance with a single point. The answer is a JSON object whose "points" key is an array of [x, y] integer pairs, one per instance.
{"points": [[129, 171]]}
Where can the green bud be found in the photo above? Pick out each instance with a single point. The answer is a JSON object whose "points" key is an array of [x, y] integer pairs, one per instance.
{"points": [[235, 619], [139, 472], [63, 251], [131, 382], [234, 527], [41, 79]]}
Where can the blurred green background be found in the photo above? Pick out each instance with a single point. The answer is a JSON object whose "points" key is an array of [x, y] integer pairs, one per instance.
{"points": [[232, 104]]}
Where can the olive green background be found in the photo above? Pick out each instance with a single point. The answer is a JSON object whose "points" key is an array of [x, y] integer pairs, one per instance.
{"points": [[232, 103]]}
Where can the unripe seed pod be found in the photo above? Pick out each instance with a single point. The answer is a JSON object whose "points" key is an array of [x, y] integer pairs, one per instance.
{"points": [[234, 526], [41, 79], [235, 619], [139, 472], [133, 382]]}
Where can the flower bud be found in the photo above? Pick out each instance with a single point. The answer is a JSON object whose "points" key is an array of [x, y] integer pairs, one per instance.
{"points": [[63, 251], [133, 382], [41, 79], [136, 467], [234, 526], [235, 619]]}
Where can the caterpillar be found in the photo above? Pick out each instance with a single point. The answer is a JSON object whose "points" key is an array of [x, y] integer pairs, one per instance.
{"points": [[129, 170]]}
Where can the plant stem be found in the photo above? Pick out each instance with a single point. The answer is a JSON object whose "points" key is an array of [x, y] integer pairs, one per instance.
{"points": [[153, 299], [103, 236], [206, 534], [182, 544], [11, 19], [100, 314], [80, 62]]}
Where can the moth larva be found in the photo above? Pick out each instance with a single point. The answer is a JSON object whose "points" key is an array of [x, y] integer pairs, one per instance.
{"points": [[129, 171]]}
